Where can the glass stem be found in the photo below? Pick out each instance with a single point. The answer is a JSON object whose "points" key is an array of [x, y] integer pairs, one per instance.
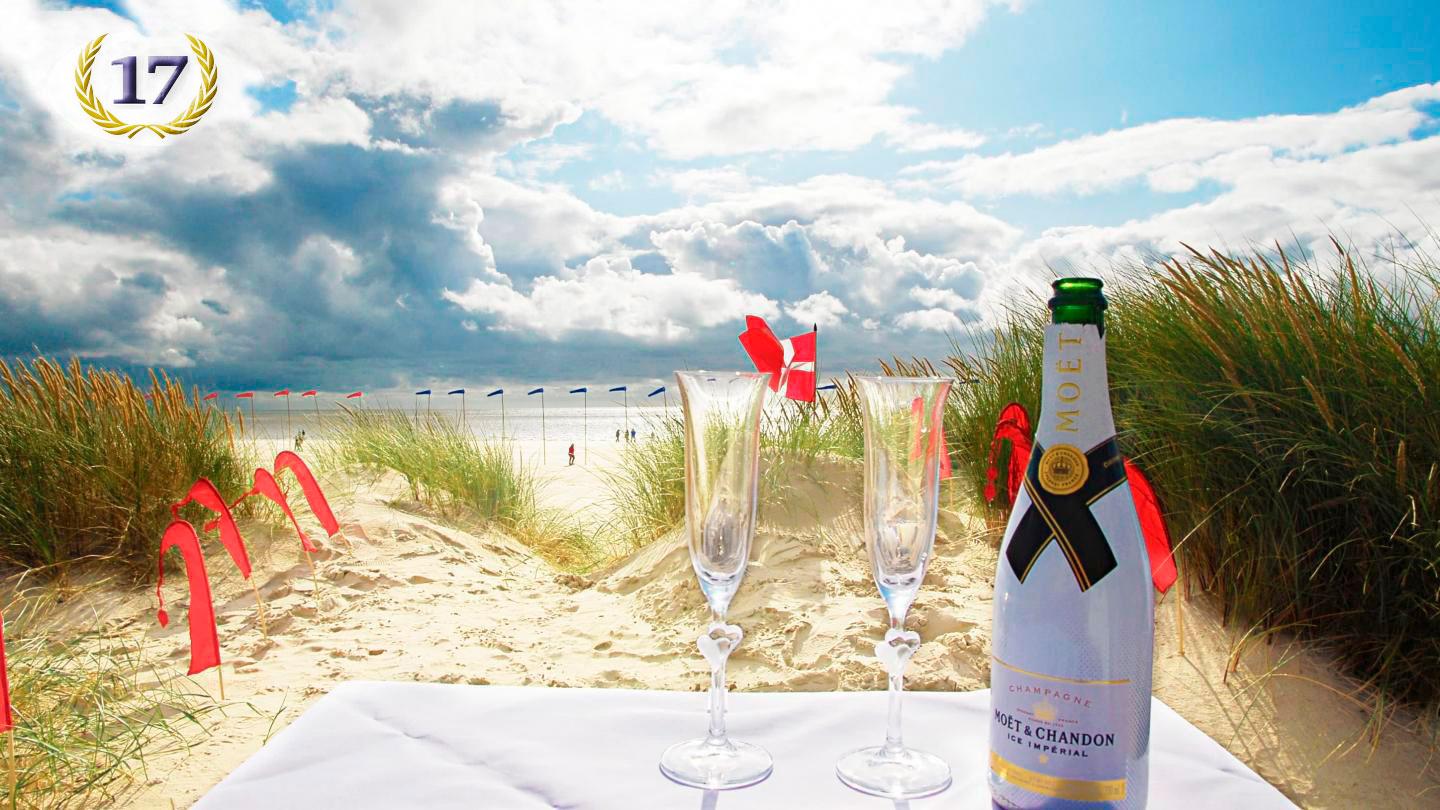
{"points": [[716, 735], [893, 743]]}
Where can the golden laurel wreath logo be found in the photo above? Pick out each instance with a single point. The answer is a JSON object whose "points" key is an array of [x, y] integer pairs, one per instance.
{"points": [[179, 125]]}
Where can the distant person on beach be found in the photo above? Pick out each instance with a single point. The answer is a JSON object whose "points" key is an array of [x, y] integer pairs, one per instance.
{"points": [[299, 440], [572, 454], [632, 434], [617, 434]]}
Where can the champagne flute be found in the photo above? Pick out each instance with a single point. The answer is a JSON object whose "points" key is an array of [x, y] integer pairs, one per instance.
{"points": [[903, 440], [722, 468]]}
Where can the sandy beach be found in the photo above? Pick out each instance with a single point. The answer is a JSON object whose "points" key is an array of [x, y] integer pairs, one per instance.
{"points": [[809, 609]]}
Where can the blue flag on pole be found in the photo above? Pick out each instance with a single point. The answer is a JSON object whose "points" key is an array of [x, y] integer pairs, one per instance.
{"points": [[579, 390], [659, 390], [618, 388], [536, 391], [457, 391], [424, 393], [497, 392]]}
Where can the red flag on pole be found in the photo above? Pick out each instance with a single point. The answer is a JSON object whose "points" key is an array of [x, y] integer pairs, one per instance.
{"points": [[265, 485], [789, 362], [204, 493], [212, 395], [7, 716], [204, 640], [283, 393], [245, 395], [1152, 525], [937, 433], [310, 393], [287, 460], [355, 395], [1012, 426]]}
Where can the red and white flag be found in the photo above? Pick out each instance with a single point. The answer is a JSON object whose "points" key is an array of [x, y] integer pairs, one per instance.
{"points": [[283, 393], [789, 362]]}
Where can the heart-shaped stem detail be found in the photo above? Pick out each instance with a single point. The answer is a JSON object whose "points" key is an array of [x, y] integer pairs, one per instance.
{"points": [[716, 644], [895, 652]]}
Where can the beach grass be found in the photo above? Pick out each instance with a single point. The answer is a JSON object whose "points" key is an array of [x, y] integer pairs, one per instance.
{"points": [[646, 489], [449, 468], [1288, 412], [89, 465], [90, 709]]}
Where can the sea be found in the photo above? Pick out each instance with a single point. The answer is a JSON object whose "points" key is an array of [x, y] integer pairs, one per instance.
{"points": [[523, 421]]}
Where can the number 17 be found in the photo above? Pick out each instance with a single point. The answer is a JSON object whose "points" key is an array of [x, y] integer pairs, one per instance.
{"points": [[129, 79]]}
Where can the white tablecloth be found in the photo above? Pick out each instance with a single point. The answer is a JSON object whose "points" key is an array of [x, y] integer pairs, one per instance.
{"points": [[400, 745]]}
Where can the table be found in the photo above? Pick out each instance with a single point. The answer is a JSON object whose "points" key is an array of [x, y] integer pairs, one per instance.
{"points": [[401, 745]]}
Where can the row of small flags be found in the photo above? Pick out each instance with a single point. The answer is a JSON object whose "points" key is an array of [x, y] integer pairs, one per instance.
{"points": [[425, 392], [791, 362], [311, 393]]}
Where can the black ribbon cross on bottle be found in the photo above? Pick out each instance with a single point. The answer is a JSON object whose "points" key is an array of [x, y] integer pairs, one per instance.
{"points": [[1067, 518]]}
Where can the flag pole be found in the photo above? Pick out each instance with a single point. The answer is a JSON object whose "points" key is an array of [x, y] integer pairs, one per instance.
{"points": [[260, 610], [544, 447], [289, 431], [585, 422], [815, 401], [626, 393], [462, 407]]}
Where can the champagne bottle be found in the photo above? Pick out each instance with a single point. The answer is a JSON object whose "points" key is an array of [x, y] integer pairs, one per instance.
{"points": [[1074, 624]]}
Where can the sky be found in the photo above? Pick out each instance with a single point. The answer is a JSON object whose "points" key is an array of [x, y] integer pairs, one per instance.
{"points": [[390, 195]]}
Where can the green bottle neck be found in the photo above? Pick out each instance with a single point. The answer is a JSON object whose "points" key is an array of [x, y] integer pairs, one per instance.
{"points": [[1078, 300]]}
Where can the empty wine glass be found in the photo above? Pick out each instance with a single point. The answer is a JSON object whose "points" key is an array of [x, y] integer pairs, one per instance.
{"points": [[722, 468], [903, 443]]}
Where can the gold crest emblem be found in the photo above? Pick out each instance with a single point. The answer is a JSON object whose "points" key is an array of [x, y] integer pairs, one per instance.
{"points": [[1063, 469], [106, 120]]}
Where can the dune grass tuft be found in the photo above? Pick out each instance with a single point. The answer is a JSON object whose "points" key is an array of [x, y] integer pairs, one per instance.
{"points": [[90, 709], [1288, 413], [449, 468], [647, 487], [88, 465]]}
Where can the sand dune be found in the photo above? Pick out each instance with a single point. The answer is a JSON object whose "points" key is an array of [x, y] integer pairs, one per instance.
{"points": [[419, 599]]}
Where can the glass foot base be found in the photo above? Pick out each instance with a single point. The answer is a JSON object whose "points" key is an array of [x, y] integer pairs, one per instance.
{"points": [[702, 764], [905, 774]]}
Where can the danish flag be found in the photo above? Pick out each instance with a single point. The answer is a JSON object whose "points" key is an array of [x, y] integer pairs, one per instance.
{"points": [[789, 362]]}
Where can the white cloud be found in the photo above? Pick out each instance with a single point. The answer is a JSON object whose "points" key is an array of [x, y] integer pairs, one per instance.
{"points": [[610, 181], [932, 138], [705, 183], [608, 295], [1174, 152], [809, 75], [820, 309], [930, 320]]}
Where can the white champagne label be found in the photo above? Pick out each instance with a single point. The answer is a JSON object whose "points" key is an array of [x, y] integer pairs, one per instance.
{"points": [[1059, 734], [1073, 629]]}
